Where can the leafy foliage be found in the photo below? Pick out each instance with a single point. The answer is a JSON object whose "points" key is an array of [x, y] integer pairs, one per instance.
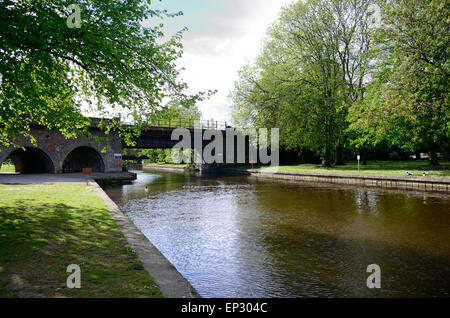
{"points": [[174, 110], [330, 77], [311, 70], [407, 103], [112, 64]]}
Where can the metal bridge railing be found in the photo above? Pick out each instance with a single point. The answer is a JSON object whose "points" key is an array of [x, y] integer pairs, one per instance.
{"points": [[183, 123], [190, 124]]}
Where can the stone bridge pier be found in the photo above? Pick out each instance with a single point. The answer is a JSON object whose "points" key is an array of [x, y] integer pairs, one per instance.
{"points": [[56, 154]]}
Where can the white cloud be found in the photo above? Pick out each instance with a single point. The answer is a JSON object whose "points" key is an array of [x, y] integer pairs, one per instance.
{"points": [[225, 41]]}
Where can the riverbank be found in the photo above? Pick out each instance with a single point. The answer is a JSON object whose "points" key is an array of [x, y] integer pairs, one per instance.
{"points": [[165, 167], [391, 182], [373, 167], [46, 227]]}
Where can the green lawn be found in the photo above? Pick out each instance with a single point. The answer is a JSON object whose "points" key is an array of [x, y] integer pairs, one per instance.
{"points": [[7, 168], [45, 228], [388, 168]]}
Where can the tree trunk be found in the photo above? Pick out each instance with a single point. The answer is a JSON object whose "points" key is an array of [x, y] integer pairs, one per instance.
{"points": [[432, 155], [327, 160], [418, 155], [364, 156], [301, 155], [338, 155]]}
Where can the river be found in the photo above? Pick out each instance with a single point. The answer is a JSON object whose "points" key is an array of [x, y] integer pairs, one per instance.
{"points": [[235, 236]]}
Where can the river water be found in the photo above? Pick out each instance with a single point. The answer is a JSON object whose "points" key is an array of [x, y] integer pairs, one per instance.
{"points": [[241, 237]]}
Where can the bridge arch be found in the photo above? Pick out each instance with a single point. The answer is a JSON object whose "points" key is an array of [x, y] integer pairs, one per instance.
{"points": [[32, 160], [83, 157]]}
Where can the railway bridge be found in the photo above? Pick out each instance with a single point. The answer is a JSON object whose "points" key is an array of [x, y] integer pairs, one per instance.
{"points": [[53, 153]]}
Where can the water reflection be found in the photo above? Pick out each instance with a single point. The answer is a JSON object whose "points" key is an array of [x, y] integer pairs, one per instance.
{"points": [[239, 237]]}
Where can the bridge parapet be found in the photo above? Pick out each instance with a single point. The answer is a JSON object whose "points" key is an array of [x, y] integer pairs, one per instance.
{"points": [[188, 123]]}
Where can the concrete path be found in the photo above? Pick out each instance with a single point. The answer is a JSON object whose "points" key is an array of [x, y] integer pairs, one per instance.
{"points": [[12, 178]]}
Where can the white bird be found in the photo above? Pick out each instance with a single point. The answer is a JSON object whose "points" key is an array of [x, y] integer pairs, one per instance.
{"points": [[409, 173], [146, 189], [424, 174]]}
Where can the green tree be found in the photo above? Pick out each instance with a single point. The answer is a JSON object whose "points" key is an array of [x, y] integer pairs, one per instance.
{"points": [[310, 72], [173, 111], [408, 100], [50, 70]]}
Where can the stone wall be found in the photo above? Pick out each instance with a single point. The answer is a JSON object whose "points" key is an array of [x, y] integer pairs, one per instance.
{"points": [[57, 147], [392, 182]]}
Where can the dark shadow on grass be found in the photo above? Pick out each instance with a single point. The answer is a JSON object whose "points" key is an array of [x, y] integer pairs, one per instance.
{"points": [[37, 243]]}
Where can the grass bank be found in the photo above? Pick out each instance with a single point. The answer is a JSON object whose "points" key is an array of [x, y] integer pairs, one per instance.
{"points": [[7, 168], [384, 168], [45, 228]]}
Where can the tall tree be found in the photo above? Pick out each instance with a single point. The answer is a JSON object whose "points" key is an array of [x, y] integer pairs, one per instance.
{"points": [[99, 56], [350, 22], [310, 72], [408, 102]]}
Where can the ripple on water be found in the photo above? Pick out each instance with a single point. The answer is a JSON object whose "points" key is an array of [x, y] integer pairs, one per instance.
{"points": [[237, 237]]}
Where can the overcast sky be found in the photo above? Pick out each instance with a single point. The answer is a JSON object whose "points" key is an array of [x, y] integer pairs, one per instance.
{"points": [[223, 35]]}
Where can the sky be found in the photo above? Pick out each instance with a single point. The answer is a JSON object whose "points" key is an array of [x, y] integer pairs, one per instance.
{"points": [[222, 36]]}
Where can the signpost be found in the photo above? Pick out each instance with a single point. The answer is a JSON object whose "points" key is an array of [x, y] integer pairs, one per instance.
{"points": [[87, 172], [118, 158], [359, 158]]}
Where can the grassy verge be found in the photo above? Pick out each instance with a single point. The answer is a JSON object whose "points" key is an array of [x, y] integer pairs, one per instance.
{"points": [[387, 168], [45, 228], [7, 168], [165, 164]]}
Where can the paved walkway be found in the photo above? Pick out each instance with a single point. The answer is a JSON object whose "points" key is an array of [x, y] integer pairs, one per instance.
{"points": [[12, 178], [41, 178]]}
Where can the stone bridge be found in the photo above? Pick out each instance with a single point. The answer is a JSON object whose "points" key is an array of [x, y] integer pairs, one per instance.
{"points": [[56, 154]]}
